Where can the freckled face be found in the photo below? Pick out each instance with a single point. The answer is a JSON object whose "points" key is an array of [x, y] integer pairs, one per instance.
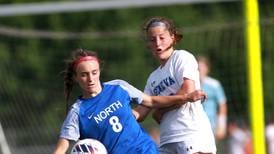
{"points": [[88, 77], [160, 42]]}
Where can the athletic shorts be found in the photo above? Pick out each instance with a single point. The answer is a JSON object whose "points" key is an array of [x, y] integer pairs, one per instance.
{"points": [[182, 148]]}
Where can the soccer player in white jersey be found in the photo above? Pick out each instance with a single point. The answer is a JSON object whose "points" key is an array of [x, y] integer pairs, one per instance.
{"points": [[103, 111], [183, 130]]}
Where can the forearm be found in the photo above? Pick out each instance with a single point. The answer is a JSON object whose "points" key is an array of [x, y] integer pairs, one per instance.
{"points": [[158, 113], [168, 101], [62, 146], [140, 112], [221, 122], [222, 116], [188, 94]]}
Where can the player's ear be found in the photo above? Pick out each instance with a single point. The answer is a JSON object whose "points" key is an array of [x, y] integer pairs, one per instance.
{"points": [[173, 38]]}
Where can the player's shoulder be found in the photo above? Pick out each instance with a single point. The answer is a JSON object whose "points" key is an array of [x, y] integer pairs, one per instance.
{"points": [[76, 105], [212, 81], [183, 55], [119, 83], [116, 82], [183, 52]]}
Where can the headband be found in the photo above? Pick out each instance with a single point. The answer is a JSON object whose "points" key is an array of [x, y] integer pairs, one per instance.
{"points": [[86, 58], [157, 23]]}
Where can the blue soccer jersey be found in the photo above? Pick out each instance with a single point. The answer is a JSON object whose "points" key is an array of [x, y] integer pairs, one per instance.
{"points": [[108, 118]]}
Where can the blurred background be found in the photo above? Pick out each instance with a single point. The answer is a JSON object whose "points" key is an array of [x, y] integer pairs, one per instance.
{"points": [[33, 47]]}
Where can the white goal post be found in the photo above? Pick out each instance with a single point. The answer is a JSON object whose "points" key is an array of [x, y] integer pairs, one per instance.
{"points": [[76, 6], [3, 142]]}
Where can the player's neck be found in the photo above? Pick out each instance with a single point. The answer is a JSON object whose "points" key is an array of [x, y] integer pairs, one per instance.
{"points": [[168, 55], [93, 93]]}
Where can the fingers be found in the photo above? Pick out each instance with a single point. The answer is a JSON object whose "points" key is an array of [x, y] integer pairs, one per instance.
{"points": [[203, 96], [198, 95], [203, 99]]}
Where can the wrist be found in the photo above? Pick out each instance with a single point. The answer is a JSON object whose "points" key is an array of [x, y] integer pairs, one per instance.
{"points": [[185, 98], [222, 122]]}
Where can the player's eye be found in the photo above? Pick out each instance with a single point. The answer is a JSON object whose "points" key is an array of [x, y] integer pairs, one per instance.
{"points": [[94, 72], [152, 39], [83, 74]]}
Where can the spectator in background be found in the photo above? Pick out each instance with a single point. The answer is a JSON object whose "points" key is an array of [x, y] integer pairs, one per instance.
{"points": [[239, 138], [215, 105], [269, 134]]}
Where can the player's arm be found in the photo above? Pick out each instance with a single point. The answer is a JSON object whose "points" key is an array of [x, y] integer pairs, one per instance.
{"points": [[62, 146], [187, 87], [140, 112], [167, 101], [221, 123], [164, 104], [158, 113]]}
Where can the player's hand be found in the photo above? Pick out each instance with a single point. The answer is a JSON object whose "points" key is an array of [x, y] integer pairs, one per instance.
{"points": [[196, 95]]}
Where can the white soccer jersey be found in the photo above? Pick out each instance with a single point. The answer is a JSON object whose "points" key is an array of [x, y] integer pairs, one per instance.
{"points": [[189, 122]]}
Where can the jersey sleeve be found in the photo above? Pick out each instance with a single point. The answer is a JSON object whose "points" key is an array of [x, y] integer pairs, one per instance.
{"points": [[135, 94], [186, 66], [70, 127], [147, 89]]}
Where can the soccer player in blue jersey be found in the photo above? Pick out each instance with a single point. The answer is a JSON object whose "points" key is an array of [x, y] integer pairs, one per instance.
{"points": [[103, 111]]}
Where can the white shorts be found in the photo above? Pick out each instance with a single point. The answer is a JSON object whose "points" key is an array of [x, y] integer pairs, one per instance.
{"points": [[186, 147]]}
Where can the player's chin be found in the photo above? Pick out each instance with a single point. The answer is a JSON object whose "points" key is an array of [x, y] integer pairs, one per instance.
{"points": [[159, 55], [90, 90]]}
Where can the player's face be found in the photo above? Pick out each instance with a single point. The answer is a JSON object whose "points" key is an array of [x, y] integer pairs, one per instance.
{"points": [[88, 78], [203, 69], [160, 42]]}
